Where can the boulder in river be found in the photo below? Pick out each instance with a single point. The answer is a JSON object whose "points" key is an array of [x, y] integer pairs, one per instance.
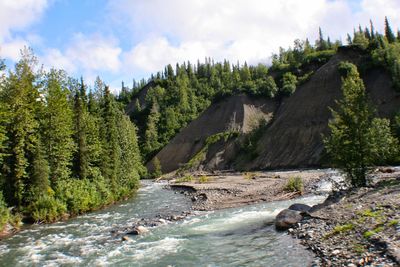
{"points": [[139, 230], [300, 207], [287, 218]]}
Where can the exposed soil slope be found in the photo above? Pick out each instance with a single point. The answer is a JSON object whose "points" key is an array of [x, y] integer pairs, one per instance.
{"points": [[240, 113], [294, 139]]}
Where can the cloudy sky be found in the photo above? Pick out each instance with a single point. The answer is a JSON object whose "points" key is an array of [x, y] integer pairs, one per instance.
{"points": [[125, 39]]}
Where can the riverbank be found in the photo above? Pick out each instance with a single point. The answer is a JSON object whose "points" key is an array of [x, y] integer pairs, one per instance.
{"points": [[220, 190], [362, 228]]}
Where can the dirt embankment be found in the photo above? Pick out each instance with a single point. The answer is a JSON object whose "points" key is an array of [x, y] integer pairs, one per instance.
{"points": [[236, 113], [294, 139], [362, 229], [211, 191]]}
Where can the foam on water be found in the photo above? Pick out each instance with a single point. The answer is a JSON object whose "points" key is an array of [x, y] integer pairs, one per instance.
{"points": [[153, 251]]}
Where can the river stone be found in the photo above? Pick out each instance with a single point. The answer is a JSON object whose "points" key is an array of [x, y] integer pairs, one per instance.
{"points": [[125, 238], [287, 218], [299, 207], [138, 230]]}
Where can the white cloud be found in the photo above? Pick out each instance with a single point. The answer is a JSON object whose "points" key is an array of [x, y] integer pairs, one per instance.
{"points": [[12, 49], [178, 30], [86, 55], [17, 15]]}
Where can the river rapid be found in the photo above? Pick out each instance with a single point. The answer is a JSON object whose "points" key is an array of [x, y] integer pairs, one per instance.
{"points": [[242, 236]]}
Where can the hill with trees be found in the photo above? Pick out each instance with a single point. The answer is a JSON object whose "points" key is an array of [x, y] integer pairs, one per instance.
{"points": [[303, 80], [66, 148]]}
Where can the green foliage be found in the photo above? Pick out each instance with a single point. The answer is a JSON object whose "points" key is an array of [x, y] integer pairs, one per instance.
{"points": [[396, 125], [388, 56], [157, 168], [151, 143], [57, 125], [47, 209], [197, 159], [61, 151], [357, 140], [249, 144], [204, 179], [319, 57], [250, 175], [289, 82], [388, 32], [360, 40], [305, 78], [372, 232], [294, 184], [4, 213], [185, 179], [21, 95], [343, 228]]}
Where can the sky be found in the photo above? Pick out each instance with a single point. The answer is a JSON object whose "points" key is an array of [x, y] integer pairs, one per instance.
{"points": [[121, 40]]}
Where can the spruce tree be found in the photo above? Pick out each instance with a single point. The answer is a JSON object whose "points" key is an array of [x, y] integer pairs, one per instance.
{"points": [[151, 142], [21, 95], [81, 157], [57, 126], [111, 150], [130, 167], [388, 32], [357, 140]]}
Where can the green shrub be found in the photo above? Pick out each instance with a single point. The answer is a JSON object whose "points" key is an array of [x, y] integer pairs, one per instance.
{"points": [[157, 168], [305, 78], [204, 179], [343, 228], [319, 56], [83, 195], [4, 213], [185, 179], [47, 209], [370, 233], [289, 82], [294, 184]]}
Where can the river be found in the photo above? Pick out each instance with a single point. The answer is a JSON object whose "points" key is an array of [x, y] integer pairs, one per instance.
{"points": [[242, 236]]}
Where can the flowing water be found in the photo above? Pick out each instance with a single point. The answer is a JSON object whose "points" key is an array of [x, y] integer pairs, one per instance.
{"points": [[233, 237]]}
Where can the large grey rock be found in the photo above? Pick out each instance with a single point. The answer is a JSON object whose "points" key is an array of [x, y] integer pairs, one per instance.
{"points": [[300, 207], [287, 218]]}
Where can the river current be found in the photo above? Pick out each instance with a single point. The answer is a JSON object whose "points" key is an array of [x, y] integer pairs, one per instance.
{"points": [[242, 236]]}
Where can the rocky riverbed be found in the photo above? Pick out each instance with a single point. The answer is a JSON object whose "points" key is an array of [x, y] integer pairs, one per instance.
{"points": [[361, 229], [219, 190]]}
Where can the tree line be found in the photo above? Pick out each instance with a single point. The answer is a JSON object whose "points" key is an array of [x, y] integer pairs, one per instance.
{"points": [[63, 150]]}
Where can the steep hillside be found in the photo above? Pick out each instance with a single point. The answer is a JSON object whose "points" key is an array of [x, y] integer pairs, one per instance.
{"points": [[294, 139], [236, 113]]}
